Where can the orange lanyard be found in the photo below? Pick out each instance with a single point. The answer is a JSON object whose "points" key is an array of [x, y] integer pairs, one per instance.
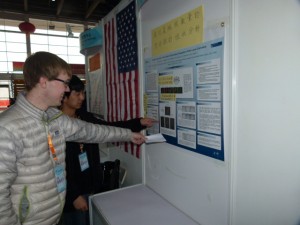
{"points": [[52, 149]]}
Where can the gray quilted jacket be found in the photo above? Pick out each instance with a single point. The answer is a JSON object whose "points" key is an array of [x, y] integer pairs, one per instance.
{"points": [[28, 190]]}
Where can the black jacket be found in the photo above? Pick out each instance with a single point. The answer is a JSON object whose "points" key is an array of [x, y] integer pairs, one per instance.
{"points": [[88, 181]]}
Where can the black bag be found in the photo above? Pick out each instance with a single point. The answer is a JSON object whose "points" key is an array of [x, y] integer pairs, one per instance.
{"points": [[111, 170]]}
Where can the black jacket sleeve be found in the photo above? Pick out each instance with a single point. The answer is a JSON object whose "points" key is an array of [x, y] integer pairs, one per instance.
{"points": [[133, 124]]}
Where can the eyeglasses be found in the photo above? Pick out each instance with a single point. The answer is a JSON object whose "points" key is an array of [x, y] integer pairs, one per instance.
{"points": [[66, 82]]}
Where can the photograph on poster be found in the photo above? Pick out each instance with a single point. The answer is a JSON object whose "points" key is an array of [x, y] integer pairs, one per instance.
{"points": [[167, 113]]}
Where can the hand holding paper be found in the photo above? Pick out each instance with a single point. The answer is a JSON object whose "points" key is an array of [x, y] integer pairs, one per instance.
{"points": [[155, 138]]}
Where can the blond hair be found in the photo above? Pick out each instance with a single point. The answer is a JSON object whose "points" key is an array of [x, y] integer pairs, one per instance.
{"points": [[43, 64]]}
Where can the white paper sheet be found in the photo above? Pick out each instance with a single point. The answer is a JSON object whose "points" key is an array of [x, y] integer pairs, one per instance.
{"points": [[155, 138]]}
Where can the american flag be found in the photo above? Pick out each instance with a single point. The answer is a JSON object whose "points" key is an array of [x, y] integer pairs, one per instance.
{"points": [[122, 77]]}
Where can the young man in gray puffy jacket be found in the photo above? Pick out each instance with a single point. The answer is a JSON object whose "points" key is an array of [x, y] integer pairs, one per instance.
{"points": [[33, 135]]}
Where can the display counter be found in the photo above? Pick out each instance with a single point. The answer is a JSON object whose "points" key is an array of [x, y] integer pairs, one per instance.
{"points": [[135, 205]]}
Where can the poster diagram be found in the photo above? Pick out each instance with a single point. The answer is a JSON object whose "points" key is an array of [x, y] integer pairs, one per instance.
{"points": [[186, 90], [177, 83], [167, 113]]}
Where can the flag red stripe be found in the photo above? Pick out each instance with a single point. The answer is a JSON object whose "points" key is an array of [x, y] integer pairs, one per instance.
{"points": [[126, 96], [131, 97], [122, 96], [107, 53], [114, 67]]}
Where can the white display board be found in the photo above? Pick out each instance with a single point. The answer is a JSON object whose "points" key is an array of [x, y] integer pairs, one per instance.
{"points": [[196, 184]]}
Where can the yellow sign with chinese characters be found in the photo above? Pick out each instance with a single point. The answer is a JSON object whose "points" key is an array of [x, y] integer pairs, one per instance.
{"points": [[183, 31]]}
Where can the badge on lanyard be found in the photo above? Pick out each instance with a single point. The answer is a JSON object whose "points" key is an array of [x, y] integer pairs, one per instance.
{"points": [[60, 178], [58, 169], [83, 160]]}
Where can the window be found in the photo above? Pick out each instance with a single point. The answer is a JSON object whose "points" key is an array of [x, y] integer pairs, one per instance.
{"points": [[13, 46], [49, 36]]}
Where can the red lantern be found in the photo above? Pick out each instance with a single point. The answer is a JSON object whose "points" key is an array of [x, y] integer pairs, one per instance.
{"points": [[27, 27]]}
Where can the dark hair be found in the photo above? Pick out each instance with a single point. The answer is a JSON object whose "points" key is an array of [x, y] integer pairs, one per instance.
{"points": [[75, 85], [43, 64]]}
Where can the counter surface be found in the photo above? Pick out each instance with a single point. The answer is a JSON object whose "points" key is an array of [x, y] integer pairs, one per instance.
{"points": [[137, 205]]}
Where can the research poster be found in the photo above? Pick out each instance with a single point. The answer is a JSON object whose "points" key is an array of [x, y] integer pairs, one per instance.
{"points": [[184, 90]]}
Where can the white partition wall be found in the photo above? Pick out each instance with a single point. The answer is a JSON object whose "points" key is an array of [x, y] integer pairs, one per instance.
{"points": [[266, 187], [196, 184], [258, 183]]}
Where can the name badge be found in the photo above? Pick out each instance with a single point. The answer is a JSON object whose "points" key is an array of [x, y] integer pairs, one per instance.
{"points": [[83, 160], [60, 178]]}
